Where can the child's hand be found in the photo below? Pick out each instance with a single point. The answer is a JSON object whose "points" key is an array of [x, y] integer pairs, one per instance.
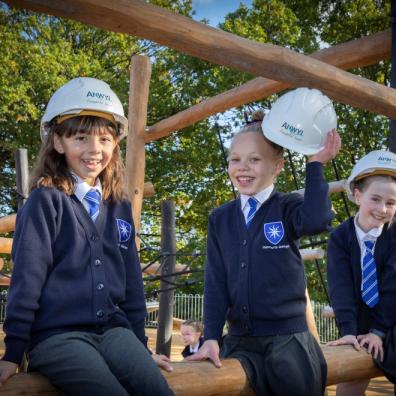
{"points": [[346, 340], [330, 150], [209, 350], [373, 343], [7, 370], [162, 361]]}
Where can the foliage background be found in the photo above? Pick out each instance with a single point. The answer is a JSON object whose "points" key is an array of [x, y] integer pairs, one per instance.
{"points": [[40, 53]]}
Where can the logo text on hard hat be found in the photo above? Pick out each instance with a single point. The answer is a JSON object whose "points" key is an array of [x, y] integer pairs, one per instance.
{"points": [[98, 95], [292, 130], [386, 160]]}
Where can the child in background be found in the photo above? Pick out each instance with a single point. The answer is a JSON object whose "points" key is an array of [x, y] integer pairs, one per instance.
{"points": [[191, 332], [76, 304], [254, 274], [361, 265]]}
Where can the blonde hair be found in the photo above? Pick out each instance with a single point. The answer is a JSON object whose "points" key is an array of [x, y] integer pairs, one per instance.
{"points": [[51, 169], [255, 126], [195, 324]]}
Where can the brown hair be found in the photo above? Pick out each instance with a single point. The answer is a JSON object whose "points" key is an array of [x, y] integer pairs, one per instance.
{"points": [[364, 183], [255, 126], [51, 169], [195, 324]]}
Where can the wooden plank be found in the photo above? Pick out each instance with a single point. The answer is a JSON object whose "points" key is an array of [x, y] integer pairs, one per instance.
{"points": [[203, 378], [140, 74], [154, 268], [311, 254], [334, 187], [181, 33], [356, 53], [7, 223]]}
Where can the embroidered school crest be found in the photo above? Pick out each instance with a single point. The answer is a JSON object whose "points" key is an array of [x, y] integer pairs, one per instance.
{"points": [[124, 230], [274, 232]]}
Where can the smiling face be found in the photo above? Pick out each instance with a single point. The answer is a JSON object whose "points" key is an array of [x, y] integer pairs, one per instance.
{"points": [[86, 154], [253, 164], [377, 202]]}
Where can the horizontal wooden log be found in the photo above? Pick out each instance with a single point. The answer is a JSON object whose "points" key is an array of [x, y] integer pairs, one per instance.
{"points": [[356, 53], [155, 268], [1, 263], [334, 187], [181, 33], [312, 254], [7, 223], [5, 245], [4, 281], [202, 378]]}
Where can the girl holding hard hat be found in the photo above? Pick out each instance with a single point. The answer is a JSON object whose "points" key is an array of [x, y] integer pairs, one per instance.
{"points": [[254, 274], [361, 266], [76, 304]]}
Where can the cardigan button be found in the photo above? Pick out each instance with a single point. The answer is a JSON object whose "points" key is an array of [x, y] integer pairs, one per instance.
{"points": [[244, 309], [100, 286], [94, 237], [97, 262], [100, 313], [244, 242], [243, 265]]}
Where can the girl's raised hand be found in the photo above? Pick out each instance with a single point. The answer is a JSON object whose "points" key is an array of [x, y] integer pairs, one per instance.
{"points": [[330, 150], [346, 340], [209, 350]]}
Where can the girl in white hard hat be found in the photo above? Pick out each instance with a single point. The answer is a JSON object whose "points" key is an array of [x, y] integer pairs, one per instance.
{"points": [[76, 304], [254, 274], [361, 266]]}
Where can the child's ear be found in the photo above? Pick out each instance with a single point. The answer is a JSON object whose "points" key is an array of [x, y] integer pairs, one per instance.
{"points": [[58, 144], [357, 194], [279, 166]]}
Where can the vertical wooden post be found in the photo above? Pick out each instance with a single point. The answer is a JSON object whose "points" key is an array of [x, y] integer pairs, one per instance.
{"points": [[22, 175], [311, 318], [168, 260], [140, 74]]}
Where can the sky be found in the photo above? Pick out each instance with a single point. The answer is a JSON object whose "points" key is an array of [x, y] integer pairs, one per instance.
{"points": [[215, 10]]}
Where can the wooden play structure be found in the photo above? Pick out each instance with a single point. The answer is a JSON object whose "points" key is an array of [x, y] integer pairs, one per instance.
{"points": [[322, 70]]}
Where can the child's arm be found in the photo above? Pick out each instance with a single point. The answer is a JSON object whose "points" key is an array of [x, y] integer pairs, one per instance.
{"points": [[340, 280], [7, 370], [209, 350]]}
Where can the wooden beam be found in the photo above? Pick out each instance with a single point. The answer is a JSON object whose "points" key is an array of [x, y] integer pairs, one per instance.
{"points": [[203, 378], [311, 254], [181, 33], [7, 223], [5, 245], [336, 186], [154, 269], [140, 74], [356, 53]]}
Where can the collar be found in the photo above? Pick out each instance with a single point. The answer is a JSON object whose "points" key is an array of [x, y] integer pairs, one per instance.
{"points": [[261, 196], [81, 187], [372, 235]]}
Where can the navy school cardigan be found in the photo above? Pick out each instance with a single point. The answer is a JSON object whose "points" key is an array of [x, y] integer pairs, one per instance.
{"points": [[71, 274], [254, 278], [345, 277]]}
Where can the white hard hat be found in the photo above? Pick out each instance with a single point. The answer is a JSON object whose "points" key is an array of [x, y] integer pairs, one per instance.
{"points": [[378, 162], [84, 96], [300, 120]]}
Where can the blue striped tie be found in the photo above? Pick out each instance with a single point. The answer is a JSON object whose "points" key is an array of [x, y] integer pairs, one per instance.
{"points": [[369, 276], [252, 211], [93, 199]]}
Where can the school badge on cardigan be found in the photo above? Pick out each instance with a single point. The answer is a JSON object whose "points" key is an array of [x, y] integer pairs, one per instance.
{"points": [[124, 230], [274, 232]]}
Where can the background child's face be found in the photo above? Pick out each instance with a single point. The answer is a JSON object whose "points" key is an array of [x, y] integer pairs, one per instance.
{"points": [[377, 204], [252, 163], [86, 154], [189, 335]]}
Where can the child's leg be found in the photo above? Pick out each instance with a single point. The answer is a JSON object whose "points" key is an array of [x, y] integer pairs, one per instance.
{"points": [[73, 364], [296, 366], [352, 388], [131, 363]]}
